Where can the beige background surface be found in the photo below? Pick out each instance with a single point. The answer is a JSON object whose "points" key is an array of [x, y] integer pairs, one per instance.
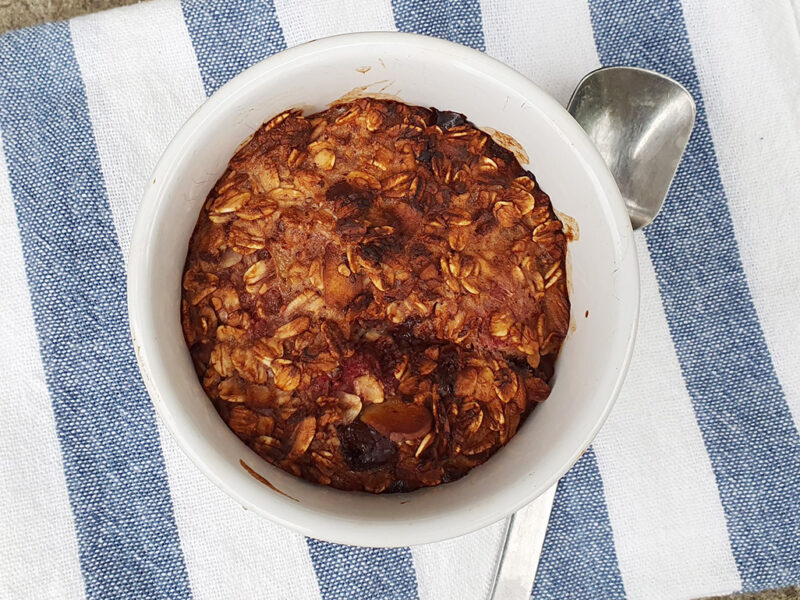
{"points": [[23, 13]]}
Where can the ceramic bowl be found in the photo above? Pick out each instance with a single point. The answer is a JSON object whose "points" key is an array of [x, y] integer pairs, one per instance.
{"points": [[602, 271]]}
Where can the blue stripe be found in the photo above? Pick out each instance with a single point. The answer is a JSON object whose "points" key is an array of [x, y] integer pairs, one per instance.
{"points": [[127, 538], [578, 558], [455, 20], [227, 39], [363, 573], [740, 407]]}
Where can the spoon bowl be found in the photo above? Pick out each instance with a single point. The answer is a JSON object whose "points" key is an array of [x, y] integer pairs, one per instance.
{"points": [[640, 122]]}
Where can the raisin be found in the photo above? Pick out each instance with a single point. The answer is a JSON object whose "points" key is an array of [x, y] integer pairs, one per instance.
{"points": [[386, 355], [247, 300], [372, 252], [398, 487], [360, 303], [364, 449], [484, 223], [350, 229], [425, 156], [446, 372], [273, 301], [319, 386], [447, 119], [404, 332], [344, 194], [262, 329]]}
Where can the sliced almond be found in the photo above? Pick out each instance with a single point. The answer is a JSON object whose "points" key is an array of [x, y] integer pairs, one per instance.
{"points": [[426, 441], [500, 323], [369, 388], [256, 272], [325, 159], [350, 405]]}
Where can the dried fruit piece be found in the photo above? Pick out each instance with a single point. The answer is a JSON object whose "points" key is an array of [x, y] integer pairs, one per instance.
{"points": [[364, 448], [398, 421], [338, 291]]}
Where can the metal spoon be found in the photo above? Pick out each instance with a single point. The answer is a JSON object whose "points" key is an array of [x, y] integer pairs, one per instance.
{"points": [[640, 122]]}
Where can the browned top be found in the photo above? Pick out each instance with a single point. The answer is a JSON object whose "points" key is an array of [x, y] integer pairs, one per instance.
{"points": [[374, 295]]}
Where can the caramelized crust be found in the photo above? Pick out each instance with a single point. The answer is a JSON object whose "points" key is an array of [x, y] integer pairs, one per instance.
{"points": [[374, 295]]}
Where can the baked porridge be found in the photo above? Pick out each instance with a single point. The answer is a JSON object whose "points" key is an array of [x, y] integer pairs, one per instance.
{"points": [[374, 295]]}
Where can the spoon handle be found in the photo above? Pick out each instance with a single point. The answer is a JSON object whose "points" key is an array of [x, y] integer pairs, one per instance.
{"points": [[522, 548]]}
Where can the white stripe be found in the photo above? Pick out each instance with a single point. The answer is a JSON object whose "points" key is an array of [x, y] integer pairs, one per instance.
{"points": [[142, 82], [231, 552], [314, 19], [549, 41], [458, 569], [663, 504], [39, 557], [748, 60]]}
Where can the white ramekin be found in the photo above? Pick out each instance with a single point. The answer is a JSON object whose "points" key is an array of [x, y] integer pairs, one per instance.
{"points": [[603, 275]]}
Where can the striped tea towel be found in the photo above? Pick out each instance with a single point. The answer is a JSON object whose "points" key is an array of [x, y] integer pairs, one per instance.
{"points": [[691, 489]]}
